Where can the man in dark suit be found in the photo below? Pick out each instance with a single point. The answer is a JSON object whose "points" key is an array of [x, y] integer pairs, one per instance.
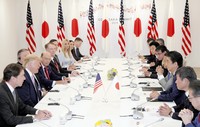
{"points": [[160, 53], [184, 75], [47, 76], [54, 63], [75, 51], [187, 115], [12, 110], [31, 91], [21, 54], [174, 61]]}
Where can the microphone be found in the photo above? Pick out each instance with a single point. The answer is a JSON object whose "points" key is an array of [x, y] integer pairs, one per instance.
{"points": [[135, 97], [138, 114], [78, 97], [68, 115], [131, 84], [159, 120], [88, 71], [86, 84], [129, 75]]}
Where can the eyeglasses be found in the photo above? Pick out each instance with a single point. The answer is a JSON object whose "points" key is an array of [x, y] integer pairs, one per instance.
{"points": [[190, 98]]}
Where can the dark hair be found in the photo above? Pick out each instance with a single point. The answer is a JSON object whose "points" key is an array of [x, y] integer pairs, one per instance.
{"points": [[52, 40], [153, 43], [70, 40], [161, 40], [195, 87], [50, 43], [186, 72], [19, 53], [78, 39], [12, 69], [150, 40], [175, 57], [162, 48]]}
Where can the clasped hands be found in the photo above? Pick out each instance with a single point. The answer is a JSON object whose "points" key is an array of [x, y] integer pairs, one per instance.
{"points": [[43, 115]]}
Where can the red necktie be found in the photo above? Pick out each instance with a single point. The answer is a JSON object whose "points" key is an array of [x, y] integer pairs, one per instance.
{"points": [[199, 118], [56, 64], [46, 72]]}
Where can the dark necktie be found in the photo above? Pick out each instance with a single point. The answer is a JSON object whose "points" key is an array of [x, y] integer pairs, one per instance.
{"points": [[77, 50], [14, 96], [168, 76], [35, 84], [46, 72], [56, 64], [199, 118]]}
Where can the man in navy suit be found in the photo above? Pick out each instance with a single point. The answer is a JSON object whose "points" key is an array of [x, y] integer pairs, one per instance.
{"points": [[54, 63], [75, 51], [31, 91], [174, 61], [194, 97], [47, 76], [184, 76], [12, 110]]}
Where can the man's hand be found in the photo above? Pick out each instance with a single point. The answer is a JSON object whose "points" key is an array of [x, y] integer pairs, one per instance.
{"points": [[164, 110], [186, 116], [154, 95], [43, 115]]}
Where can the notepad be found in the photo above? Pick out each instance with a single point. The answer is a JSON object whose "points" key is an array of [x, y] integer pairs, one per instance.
{"points": [[152, 89]]}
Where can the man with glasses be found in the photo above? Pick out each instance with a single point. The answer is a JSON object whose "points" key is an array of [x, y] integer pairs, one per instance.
{"points": [[194, 97], [174, 61], [160, 53], [184, 76]]}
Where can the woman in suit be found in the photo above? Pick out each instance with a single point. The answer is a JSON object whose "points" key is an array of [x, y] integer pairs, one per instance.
{"points": [[65, 56]]}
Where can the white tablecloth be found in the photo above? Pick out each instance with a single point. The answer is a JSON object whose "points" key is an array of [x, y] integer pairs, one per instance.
{"points": [[96, 109]]}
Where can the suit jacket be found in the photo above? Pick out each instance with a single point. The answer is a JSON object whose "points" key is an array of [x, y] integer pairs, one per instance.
{"points": [[63, 72], [155, 76], [48, 82], [153, 68], [195, 123], [29, 93], [173, 94], [76, 54], [167, 81], [12, 113], [187, 105], [150, 58]]}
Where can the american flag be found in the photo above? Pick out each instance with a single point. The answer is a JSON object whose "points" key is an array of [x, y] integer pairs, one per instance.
{"points": [[98, 83], [91, 30], [60, 27], [121, 33], [30, 35], [186, 39], [153, 25]]}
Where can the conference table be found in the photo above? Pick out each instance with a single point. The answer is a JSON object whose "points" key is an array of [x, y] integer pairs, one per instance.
{"points": [[69, 109]]}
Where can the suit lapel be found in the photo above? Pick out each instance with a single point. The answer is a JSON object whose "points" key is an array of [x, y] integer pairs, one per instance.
{"points": [[34, 86], [14, 105]]}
